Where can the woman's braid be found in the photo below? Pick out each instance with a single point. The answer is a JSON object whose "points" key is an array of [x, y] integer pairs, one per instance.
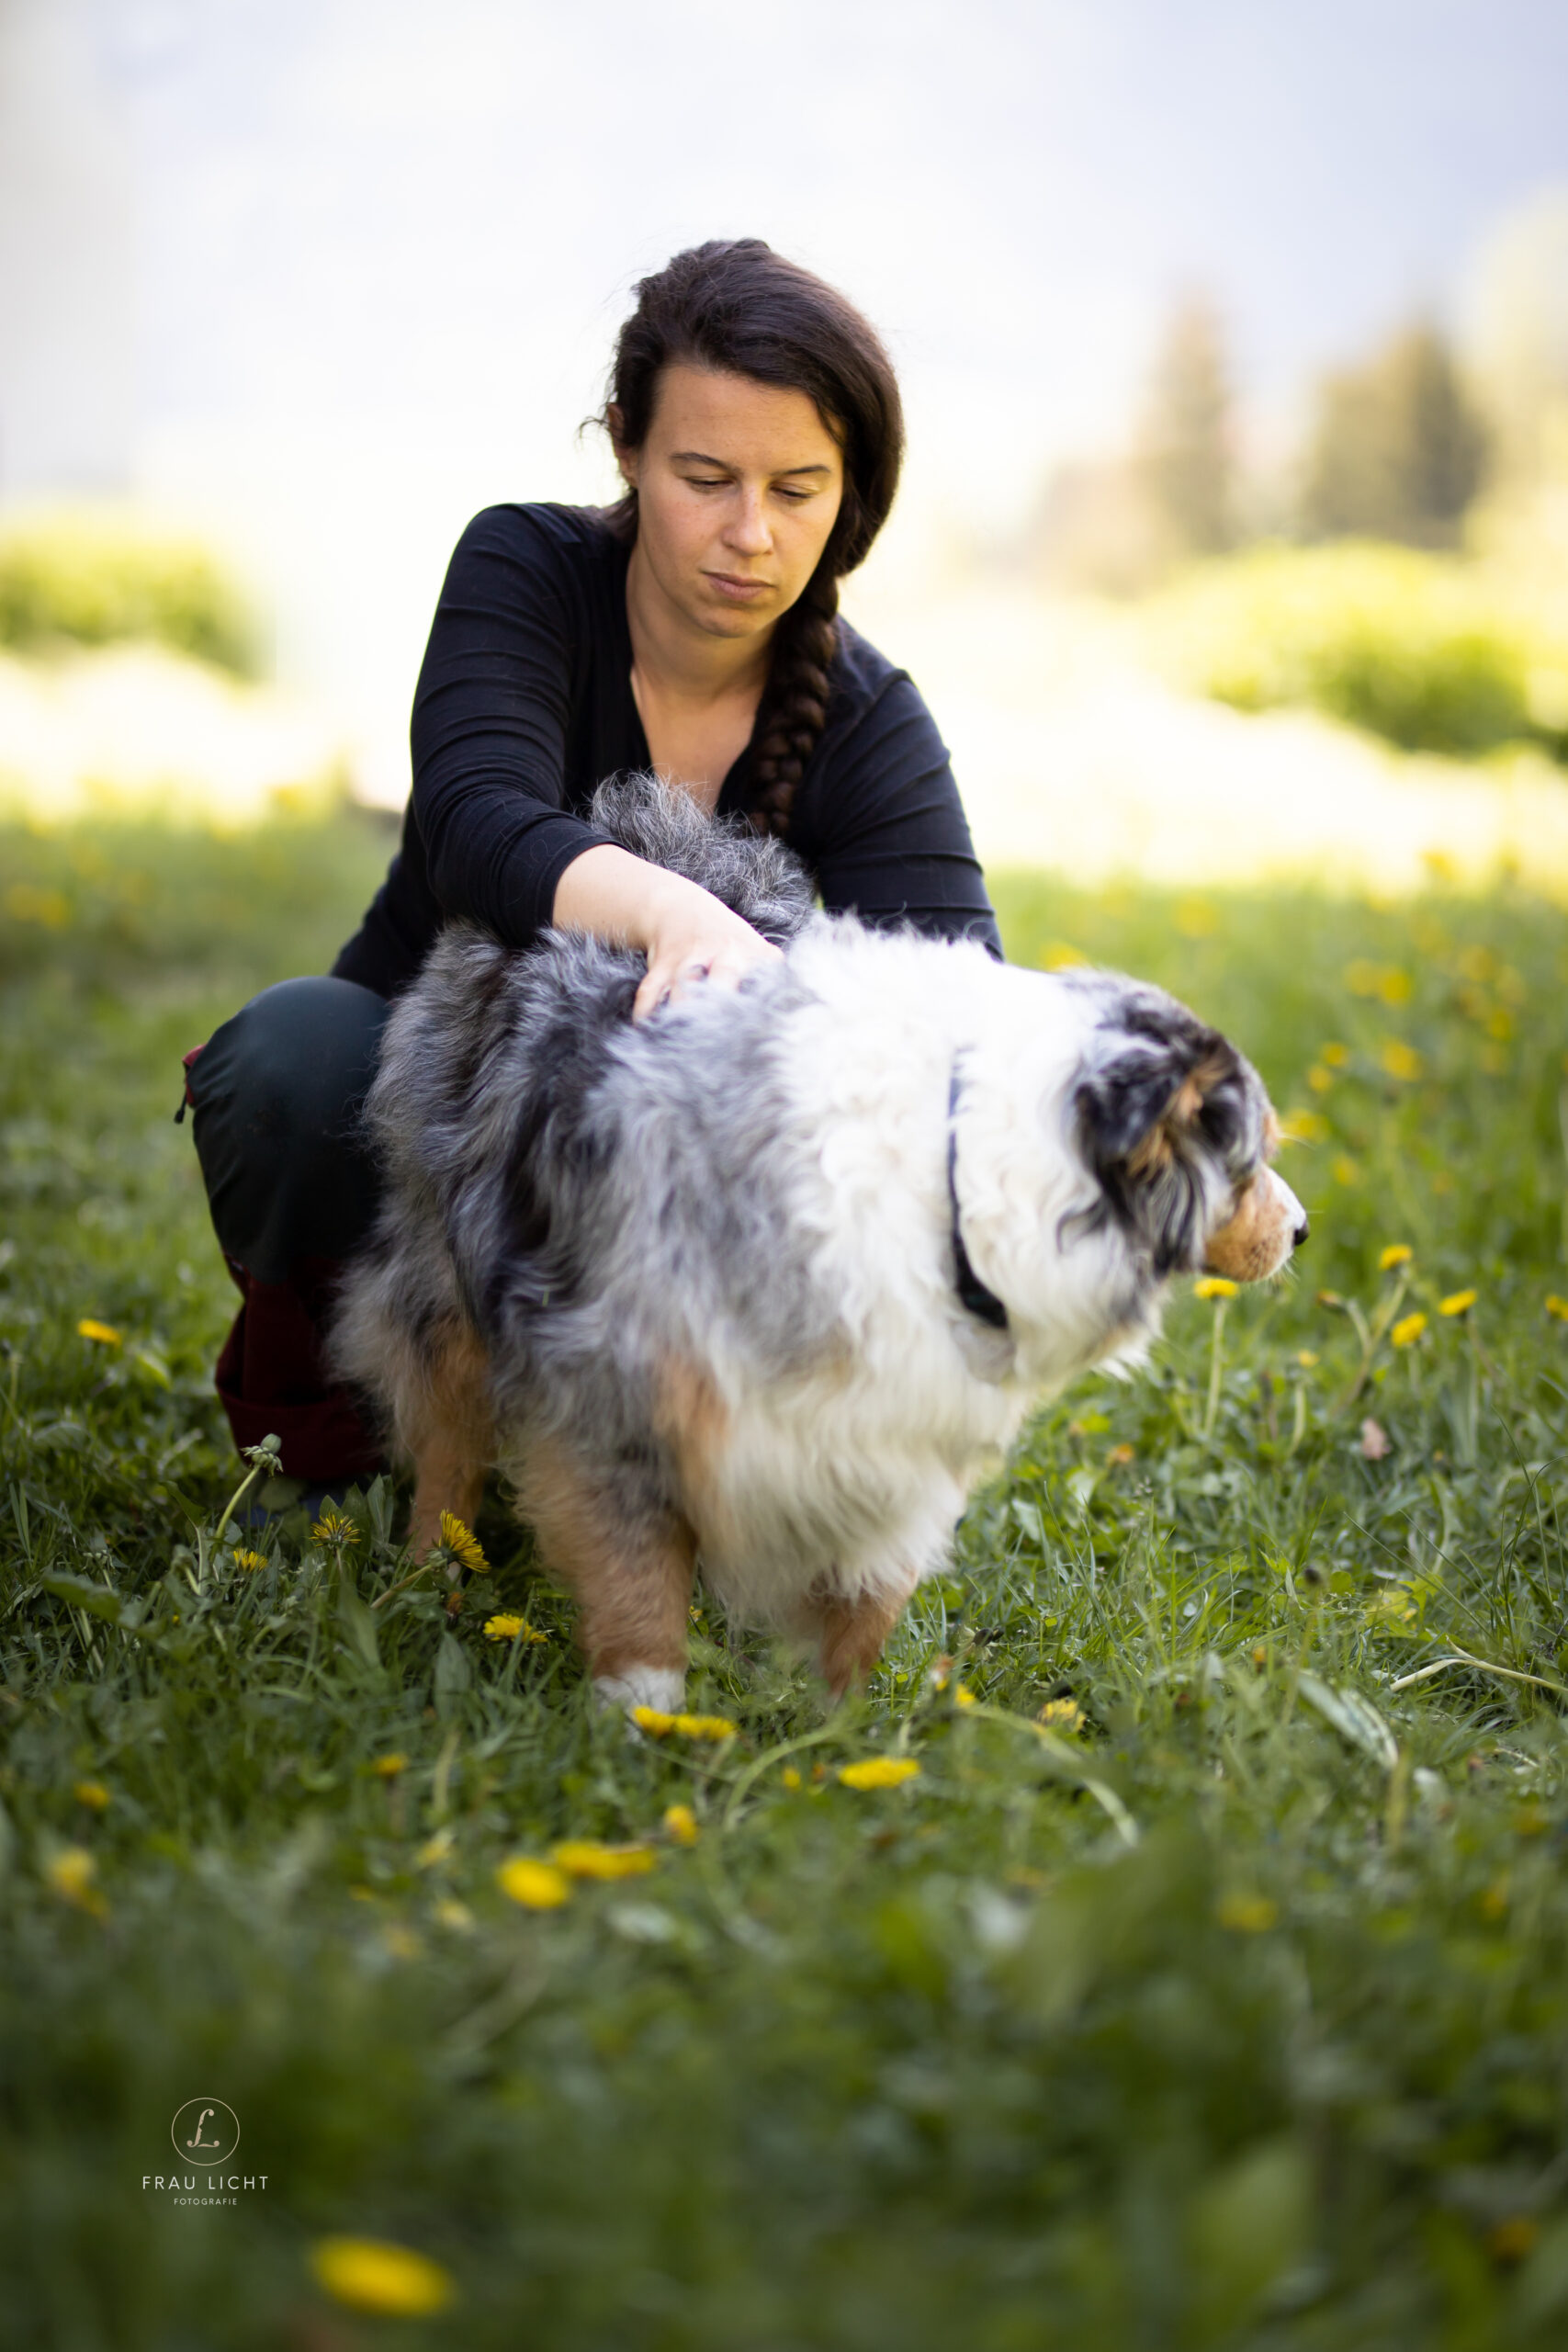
{"points": [[794, 708]]}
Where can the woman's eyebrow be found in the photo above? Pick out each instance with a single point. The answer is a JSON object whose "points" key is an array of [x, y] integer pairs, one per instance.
{"points": [[700, 457]]}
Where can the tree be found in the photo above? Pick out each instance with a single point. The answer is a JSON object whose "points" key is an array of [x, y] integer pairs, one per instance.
{"points": [[1185, 455], [1397, 449]]}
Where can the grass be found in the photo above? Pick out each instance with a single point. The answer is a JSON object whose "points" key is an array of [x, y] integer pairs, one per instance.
{"points": [[1232, 2010]]}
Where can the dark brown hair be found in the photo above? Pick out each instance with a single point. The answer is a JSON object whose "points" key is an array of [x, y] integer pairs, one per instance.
{"points": [[738, 307]]}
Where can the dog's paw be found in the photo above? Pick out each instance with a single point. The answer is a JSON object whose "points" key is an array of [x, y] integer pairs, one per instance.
{"points": [[663, 1687]]}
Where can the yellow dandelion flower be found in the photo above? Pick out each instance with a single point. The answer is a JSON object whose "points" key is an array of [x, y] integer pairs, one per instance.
{"points": [[654, 1720], [681, 1823], [1458, 1302], [1335, 1055], [1060, 956], [790, 1777], [372, 2275], [463, 1544], [1509, 2241], [1345, 1171], [538, 1886], [450, 1913], [71, 1874], [105, 1333], [1557, 1306], [962, 1696], [879, 1772], [1214, 1287], [389, 1767], [1319, 1078], [250, 1561], [585, 1858], [1305, 1126], [512, 1629], [1306, 1358], [1062, 1715], [434, 1851], [91, 1793], [1248, 1914], [1407, 1330], [1398, 1253], [334, 1527], [1119, 1456], [1401, 1061]]}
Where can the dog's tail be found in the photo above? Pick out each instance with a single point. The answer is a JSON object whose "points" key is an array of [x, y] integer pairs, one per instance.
{"points": [[752, 873]]}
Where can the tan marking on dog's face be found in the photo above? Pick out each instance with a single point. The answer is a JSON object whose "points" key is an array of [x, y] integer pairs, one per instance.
{"points": [[633, 1586], [1158, 1148], [447, 1425], [1260, 1234]]}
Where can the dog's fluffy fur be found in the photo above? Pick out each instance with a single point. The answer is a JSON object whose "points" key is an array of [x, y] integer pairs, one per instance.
{"points": [[692, 1284]]}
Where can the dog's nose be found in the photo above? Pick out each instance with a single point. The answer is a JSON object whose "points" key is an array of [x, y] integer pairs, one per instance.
{"points": [[1299, 1238]]}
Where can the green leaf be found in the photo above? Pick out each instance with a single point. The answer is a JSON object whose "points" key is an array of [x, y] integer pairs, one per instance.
{"points": [[1354, 1718], [357, 1622], [1249, 2227], [454, 1675], [97, 1598]]}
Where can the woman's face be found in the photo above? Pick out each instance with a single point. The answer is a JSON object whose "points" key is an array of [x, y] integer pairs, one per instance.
{"points": [[737, 487]]}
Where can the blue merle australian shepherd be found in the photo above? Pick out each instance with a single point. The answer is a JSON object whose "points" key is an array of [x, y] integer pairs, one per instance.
{"points": [[756, 1287]]}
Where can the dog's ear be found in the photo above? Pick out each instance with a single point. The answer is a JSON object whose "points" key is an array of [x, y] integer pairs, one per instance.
{"points": [[1167, 1125]]}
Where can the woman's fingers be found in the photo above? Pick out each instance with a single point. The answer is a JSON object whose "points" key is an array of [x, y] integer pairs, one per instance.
{"points": [[673, 971]]}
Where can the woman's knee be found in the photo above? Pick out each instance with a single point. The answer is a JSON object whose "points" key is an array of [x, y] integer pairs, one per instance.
{"points": [[278, 1091]]}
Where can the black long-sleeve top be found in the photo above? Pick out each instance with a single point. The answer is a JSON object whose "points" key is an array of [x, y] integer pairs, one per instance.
{"points": [[525, 705]]}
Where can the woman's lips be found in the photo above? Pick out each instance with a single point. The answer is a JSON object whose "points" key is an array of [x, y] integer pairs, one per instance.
{"points": [[740, 592]]}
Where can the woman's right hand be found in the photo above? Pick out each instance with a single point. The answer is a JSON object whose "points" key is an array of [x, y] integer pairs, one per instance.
{"points": [[687, 935]]}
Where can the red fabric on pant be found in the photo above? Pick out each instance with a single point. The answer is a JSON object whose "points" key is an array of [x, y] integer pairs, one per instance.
{"points": [[273, 1380]]}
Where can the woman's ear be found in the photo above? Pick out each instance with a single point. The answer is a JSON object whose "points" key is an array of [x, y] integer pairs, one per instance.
{"points": [[625, 459]]}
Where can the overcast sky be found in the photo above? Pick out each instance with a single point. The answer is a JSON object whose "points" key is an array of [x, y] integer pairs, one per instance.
{"points": [[332, 273]]}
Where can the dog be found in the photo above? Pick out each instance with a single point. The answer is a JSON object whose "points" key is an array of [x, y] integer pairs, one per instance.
{"points": [[760, 1284]]}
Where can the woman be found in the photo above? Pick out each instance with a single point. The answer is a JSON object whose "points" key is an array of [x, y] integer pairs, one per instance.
{"points": [[691, 629]]}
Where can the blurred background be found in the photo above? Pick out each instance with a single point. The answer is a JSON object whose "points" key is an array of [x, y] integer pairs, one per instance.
{"points": [[1235, 339]]}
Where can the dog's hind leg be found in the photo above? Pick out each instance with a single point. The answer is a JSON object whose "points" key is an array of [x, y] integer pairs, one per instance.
{"points": [[446, 1421], [628, 1560]]}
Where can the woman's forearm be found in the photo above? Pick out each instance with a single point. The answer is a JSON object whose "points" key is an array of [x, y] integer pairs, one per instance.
{"points": [[619, 896]]}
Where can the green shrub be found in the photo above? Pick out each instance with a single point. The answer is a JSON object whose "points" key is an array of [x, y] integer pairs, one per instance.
{"points": [[94, 579], [1424, 649]]}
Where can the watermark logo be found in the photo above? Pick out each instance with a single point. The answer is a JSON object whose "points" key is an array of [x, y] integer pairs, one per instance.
{"points": [[204, 2131]]}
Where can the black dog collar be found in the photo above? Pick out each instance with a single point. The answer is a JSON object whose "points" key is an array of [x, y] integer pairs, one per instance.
{"points": [[980, 1300]]}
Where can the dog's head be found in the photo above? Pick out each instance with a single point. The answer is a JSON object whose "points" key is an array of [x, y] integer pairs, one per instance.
{"points": [[1176, 1129]]}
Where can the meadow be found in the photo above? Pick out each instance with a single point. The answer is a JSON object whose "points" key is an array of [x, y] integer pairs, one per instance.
{"points": [[1190, 1967]]}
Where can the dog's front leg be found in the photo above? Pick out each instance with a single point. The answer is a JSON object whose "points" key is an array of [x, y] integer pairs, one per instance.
{"points": [[450, 1431], [850, 1633], [628, 1560]]}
